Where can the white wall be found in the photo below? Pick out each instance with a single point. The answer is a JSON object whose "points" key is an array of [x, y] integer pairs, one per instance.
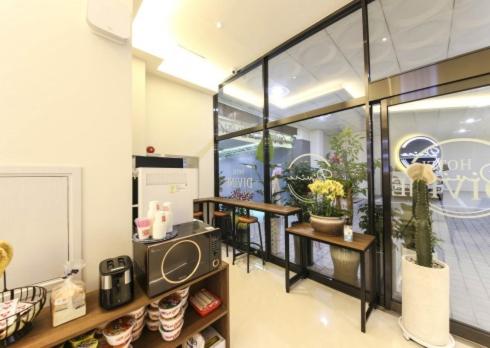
{"points": [[65, 99], [139, 106], [179, 121]]}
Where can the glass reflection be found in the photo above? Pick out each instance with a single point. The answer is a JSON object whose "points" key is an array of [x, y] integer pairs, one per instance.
{"points": [[456, 128], [404, 35], [240, 103], [324, 69], [303, 151]]}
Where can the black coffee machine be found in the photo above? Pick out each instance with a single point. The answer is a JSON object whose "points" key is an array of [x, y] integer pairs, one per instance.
{"points": [[116, 282]]}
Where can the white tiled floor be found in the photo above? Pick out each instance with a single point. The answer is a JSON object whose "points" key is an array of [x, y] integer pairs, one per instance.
{"points": [[311, 316]]}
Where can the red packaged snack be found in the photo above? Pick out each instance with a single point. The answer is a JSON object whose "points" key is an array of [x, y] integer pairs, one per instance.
{"points": [[204, 302]]}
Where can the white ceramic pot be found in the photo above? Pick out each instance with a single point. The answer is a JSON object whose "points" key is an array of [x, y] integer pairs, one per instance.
{"points": [[425, 303]]}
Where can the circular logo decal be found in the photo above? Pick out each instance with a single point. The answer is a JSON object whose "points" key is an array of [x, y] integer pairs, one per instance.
{"points": [[319, 170], [463, 173]]}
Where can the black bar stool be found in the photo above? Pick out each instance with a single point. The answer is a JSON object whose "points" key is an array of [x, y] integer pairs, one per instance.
{"points": [[248, 221], [222, 220]]}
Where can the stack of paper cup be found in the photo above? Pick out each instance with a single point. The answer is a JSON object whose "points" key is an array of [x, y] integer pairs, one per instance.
{"points": [[167, 208], [159, 225]]}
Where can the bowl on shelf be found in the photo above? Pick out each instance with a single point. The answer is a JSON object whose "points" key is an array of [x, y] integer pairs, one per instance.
{"points": [[170, 306], [118, 332], [30, 300]]}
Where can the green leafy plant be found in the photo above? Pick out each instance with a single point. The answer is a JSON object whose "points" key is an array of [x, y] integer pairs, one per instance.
{"points": [[378, 222], [345, 166], [402, 227]]}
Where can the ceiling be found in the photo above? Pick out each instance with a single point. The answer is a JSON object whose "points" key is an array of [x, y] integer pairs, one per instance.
{"points": [[421, 32], [249, 29], [327, 68]]}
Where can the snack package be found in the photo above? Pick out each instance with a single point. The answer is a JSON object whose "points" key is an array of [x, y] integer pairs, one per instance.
{"points": [[68, 300]]}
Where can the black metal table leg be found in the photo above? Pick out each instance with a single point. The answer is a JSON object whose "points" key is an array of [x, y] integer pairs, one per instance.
{"points": [[374, 269], [286, 258], [363, 291], [233, 234], [201, 208], [248, 248]]}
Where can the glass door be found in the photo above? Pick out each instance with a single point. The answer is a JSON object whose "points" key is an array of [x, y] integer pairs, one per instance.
{"points": [[451, 133]]}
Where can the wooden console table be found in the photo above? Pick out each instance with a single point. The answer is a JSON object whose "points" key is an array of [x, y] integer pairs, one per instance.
{"points": [[44, 335], [361, 244]]}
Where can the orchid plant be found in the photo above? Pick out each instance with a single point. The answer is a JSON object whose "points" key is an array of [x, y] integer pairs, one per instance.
{"points": [[325, 194]]}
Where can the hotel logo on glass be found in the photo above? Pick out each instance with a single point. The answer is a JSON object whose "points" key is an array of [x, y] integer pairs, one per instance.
{"points": [[462, 167]]}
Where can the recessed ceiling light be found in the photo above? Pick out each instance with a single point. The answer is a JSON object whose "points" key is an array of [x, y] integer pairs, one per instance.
{"points": [[279, 91], [219, 25], [462, 130], [384, 39], [293, 77]]}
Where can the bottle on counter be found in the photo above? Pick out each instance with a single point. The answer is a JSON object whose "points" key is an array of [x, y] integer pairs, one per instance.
{"points": [[153, 207], [159, 229], [167, 208]]}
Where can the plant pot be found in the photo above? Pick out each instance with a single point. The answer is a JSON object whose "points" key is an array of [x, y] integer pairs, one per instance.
{"points": [[332, 226], [425, 303], [398, 263], [345, 265]]}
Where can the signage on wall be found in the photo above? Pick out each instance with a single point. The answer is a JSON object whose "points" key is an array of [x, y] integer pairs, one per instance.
{"points": [[463, 185], [319, 171]]}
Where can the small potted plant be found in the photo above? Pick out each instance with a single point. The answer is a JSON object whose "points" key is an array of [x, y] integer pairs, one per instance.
{"points": [[425, 281], [325, 216]]}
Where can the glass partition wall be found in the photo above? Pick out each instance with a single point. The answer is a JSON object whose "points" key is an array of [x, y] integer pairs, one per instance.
{"points": [[452, 133], [374, 77]]}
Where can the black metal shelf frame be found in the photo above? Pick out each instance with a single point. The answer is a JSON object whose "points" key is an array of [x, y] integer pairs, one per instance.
{"points": [[463, 72]]}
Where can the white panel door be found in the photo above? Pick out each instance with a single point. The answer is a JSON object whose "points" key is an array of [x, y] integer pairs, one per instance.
{"points": [[34, 213]]}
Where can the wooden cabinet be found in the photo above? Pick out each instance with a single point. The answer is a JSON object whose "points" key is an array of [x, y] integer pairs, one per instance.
{"points": [[217, 281]]}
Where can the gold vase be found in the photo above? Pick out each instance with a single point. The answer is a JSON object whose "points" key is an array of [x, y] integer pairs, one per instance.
{"points": [[332, 226], [345, 265]]}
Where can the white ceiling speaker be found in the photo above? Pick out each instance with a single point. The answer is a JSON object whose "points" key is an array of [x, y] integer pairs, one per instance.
{"points": [[110, 19]]}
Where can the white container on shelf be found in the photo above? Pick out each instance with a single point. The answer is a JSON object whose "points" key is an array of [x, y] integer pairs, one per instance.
{"points": [[167, 208], [159, 225], [153, 207]]}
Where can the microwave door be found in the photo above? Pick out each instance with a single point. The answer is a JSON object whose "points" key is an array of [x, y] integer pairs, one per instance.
{"points": [[175, 263]]}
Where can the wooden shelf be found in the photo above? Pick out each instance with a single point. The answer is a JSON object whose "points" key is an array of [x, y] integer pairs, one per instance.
{"points": [[360, 242], [44, 335], [192, 323]]}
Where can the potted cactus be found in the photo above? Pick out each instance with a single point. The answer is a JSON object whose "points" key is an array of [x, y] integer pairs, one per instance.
{"points": [[425, 281]]}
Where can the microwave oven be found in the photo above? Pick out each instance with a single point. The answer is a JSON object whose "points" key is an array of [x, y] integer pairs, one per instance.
{"points": [[193, 252]]}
